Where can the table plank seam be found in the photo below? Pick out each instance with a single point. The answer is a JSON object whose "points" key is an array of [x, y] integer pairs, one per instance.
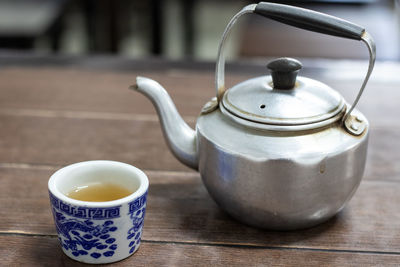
{"points": [[21, 233], [241, 246], [39, 166], [274, 247], [95, 115], [68, 114], [35, 166]]}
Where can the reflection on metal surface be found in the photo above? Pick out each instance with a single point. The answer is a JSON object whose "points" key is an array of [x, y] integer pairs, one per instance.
{"points": [[369, 41], [279, 180], [309, 102], [180, 138], [355, 125], [210, 106], [220, 68]]}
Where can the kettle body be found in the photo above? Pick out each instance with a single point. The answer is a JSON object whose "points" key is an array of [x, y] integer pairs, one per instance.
{"points": [[279, 180]]}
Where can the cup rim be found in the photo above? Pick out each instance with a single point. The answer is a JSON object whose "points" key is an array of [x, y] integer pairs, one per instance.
{"points": [[143, 187]]}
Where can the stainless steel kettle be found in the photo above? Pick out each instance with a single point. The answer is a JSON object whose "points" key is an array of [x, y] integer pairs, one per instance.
{"points": [[278, 152]]}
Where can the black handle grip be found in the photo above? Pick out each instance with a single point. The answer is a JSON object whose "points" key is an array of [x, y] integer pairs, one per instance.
{"points": [[310, 20]]}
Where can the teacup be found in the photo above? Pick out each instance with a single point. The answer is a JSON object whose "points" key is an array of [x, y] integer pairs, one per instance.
{"points": [[98, 232]]}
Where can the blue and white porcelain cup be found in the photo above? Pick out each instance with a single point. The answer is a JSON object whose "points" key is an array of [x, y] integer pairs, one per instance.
{"points": [[98, 232]]}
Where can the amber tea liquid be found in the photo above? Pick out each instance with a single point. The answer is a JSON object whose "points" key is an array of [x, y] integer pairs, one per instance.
{"points": [[99, 192]]}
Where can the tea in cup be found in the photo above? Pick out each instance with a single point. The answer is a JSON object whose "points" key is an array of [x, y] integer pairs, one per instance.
{"points": [[98, 209]]}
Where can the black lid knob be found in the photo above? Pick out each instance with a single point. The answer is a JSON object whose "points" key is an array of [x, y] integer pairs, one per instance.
{"points": [[284, 71]]}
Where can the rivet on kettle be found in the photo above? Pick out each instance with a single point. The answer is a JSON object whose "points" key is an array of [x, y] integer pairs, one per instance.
{"points": [[354, 127]]}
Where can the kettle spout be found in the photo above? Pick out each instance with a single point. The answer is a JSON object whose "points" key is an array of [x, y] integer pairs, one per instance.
{"points": [[180, 138]]}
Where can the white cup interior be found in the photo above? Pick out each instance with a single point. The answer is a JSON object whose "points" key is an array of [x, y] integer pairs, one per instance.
{"points": [[81, 174]]}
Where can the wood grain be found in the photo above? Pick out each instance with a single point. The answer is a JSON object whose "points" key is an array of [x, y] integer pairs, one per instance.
{"points": [[60, 141], [60, 89], [29, 251], [57, 114], [75, 90], [180, 210]]}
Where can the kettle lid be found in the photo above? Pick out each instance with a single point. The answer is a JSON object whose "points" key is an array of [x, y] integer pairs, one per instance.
{"points": [[283, 99]]}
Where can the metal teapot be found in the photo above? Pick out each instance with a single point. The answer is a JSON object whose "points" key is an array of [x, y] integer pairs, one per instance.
{"points": [[278, 152]]}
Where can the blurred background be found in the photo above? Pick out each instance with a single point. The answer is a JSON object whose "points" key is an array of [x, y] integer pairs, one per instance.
{"points": [[187, 29]]}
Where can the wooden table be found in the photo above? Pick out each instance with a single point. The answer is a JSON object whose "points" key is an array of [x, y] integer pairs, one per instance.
{"points": [[57, 111]]}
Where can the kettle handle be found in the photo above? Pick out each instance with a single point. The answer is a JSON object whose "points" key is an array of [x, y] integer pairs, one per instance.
{"points": [[300, 18]]}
